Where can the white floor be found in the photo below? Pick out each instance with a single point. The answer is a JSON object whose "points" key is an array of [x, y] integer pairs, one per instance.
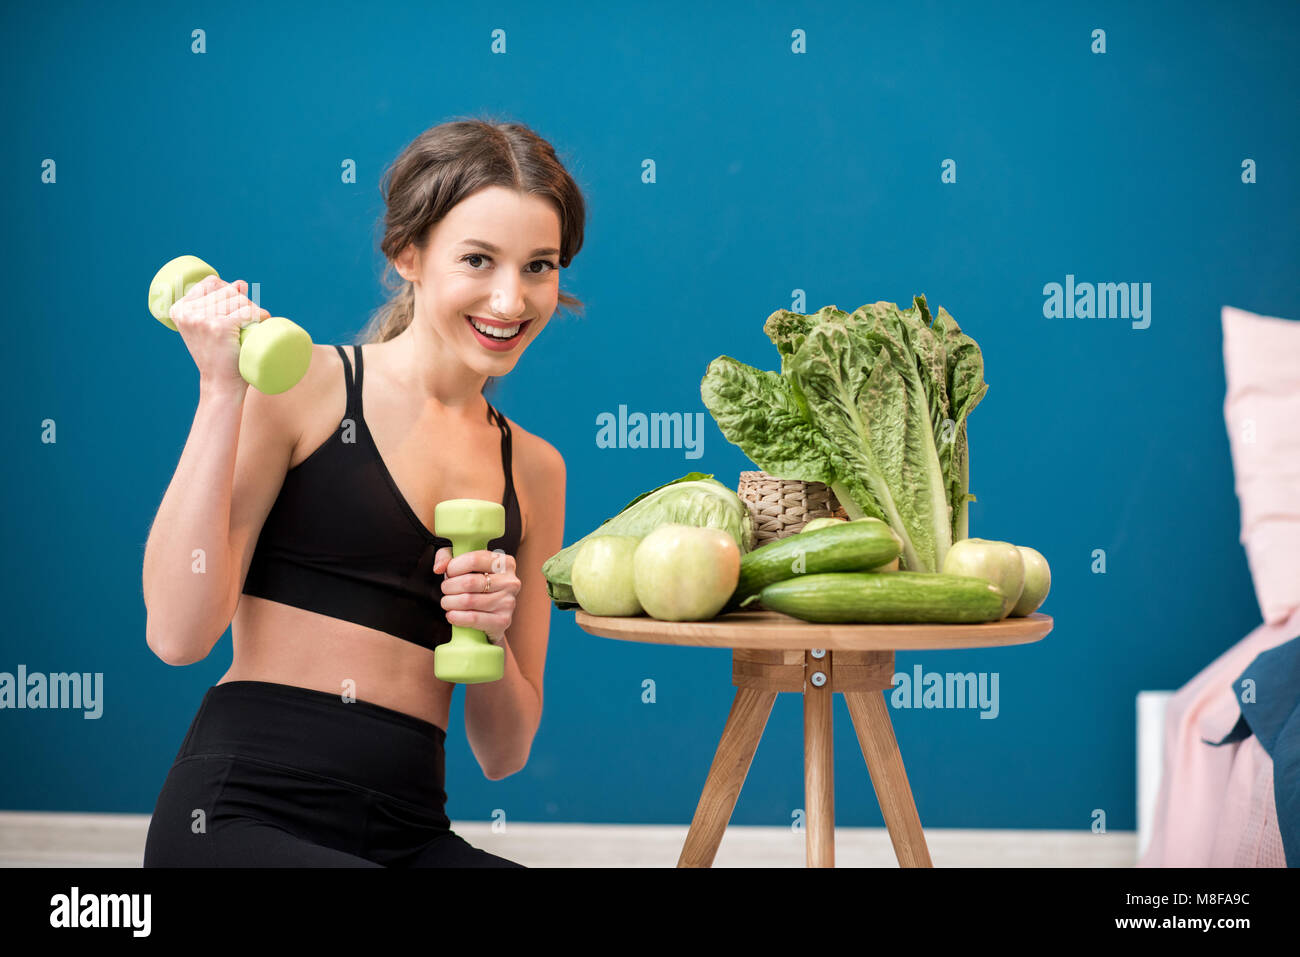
{"points": [[29, 839]]}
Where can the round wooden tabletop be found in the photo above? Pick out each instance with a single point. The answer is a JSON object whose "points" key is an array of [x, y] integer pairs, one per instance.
{"points": [[763, 628]]}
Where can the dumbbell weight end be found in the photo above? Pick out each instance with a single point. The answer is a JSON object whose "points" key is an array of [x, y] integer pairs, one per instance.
{"points": [[171, 283], [274, 354]]}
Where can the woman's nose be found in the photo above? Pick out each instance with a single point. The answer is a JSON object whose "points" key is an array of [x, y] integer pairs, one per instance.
{"points": [[506, 301]]}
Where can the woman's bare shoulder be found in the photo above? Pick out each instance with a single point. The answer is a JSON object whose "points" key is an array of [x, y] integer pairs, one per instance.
{"points": [[539, 477], [318, 401], [537, 459]]}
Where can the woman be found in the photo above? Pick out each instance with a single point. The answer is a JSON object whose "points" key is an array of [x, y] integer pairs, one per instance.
{"points": [[310, 517]]}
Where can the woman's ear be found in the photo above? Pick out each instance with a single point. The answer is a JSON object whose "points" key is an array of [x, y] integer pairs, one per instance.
{"points": [[407, 263]]}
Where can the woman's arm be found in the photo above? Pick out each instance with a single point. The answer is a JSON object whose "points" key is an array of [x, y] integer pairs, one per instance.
{"points": [[502, 717], [202, 538]]}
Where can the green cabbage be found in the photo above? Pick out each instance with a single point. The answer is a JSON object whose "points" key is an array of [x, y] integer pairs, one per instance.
{"points": [[696, 498], [874, 404]]}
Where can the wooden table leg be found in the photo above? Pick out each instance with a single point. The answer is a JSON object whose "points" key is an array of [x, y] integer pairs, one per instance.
{"points": [[885, 764], [819, 763], [750, 710]]}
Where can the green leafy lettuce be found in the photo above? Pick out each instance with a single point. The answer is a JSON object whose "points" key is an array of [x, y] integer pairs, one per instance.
{"points": [[873, 403]]}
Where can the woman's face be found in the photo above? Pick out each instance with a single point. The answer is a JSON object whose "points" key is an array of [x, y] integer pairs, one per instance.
{"points": [[514, 288]]}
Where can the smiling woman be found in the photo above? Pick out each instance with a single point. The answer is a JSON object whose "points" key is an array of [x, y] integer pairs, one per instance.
{"points": [[465, 200], [323, 744]]}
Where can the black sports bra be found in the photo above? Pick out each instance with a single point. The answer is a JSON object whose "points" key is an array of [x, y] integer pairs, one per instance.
{"points": [[341, 540]]}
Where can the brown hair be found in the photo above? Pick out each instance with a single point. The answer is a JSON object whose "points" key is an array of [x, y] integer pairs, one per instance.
{"points": [[444, 165]]}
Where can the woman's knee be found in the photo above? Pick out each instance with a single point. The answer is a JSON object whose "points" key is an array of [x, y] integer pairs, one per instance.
{"points": [[247, 843], [452, 850]]}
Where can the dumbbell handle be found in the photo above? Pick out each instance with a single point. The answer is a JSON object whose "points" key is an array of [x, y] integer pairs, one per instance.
{"points": [[274, 354], [469, 524]]}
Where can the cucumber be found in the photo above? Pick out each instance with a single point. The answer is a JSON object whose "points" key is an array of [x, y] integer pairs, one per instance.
{"points": [[893, 598], [816, 523], [842, 547]]}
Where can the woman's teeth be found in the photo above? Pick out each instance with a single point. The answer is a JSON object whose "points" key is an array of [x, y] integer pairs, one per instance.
{"points": [[494, 331]]}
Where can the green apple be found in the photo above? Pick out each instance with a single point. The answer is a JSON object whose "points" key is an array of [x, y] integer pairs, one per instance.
{"points": [[996, 562], [813, 524], [1038, 582], [602, 576], [685, 572]]}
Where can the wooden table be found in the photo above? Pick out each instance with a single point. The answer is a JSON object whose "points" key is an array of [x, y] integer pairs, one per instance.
{"points": [[771, 653]]}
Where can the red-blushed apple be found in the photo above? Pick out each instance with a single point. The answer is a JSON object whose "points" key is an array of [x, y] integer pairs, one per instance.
{"points": [[685, 572]]}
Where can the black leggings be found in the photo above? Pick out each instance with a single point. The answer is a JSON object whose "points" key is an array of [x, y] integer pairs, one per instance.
{"points": [[273, 775]]}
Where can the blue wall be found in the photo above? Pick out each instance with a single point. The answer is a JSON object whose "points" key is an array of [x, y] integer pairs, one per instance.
{"points": [[776, 171]]}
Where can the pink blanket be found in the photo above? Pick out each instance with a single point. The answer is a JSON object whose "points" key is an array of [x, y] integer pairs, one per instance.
{"points": [[1215, 807]]}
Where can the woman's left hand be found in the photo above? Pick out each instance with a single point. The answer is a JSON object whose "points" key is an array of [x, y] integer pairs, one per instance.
{"points": [[479, 590]]}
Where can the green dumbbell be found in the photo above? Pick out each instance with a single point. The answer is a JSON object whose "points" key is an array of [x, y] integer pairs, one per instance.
{"points": [[469, 658], [273, 354]]}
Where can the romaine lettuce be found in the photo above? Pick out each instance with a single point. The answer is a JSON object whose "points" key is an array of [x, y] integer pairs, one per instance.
{"points": [[873, 403]]}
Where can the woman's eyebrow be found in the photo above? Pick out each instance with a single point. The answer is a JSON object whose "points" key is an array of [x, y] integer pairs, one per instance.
{"points": [[493, 249]]}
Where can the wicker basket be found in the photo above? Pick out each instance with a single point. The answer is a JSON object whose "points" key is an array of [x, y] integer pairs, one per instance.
{"points": [[782, 507]]}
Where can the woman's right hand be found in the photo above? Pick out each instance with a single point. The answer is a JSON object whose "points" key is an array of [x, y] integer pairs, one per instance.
{"points": [[209, 318]]}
